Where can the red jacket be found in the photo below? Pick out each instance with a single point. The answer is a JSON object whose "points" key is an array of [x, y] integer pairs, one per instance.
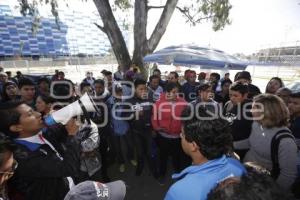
{"points": [[166, 115]]}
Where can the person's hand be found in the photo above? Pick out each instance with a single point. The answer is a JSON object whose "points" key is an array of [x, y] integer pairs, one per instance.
{"points": [[153, 133], [161, 129], [72, 127]]}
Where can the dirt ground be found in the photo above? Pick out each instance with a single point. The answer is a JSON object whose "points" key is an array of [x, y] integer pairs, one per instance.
{"points": [[143, 187]]}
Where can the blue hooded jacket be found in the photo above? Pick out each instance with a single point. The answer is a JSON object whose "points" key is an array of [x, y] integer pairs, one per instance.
{"points": [[198, 180]]}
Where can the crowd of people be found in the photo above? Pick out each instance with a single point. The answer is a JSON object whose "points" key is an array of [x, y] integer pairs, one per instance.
{"points": [[212, 128]]}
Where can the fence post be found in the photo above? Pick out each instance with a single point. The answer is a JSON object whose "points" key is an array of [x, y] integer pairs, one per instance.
{"points": [[27, 65]]}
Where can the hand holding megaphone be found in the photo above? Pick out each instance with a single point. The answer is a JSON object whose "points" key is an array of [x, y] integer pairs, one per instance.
{"points": [[79, 107], [72, 127]]}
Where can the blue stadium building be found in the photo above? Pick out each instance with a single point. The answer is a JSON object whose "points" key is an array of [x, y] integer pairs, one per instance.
{"points": [[75, 35]]}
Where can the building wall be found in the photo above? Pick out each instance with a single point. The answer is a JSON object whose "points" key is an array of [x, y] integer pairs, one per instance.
{"points": [[76, 35]]}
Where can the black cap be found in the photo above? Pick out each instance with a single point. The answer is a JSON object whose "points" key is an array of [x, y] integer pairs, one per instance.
{"points": [[103, 71], [244, 75]]}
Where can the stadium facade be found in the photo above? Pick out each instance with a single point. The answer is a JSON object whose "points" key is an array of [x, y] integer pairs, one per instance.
{"points": [[76, 35], [285, 54]]}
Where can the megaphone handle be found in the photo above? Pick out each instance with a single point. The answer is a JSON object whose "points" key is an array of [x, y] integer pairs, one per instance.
{"points": [[85, 112]]}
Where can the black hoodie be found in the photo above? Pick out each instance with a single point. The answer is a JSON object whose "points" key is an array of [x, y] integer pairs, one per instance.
{"points": [[140, 122]]}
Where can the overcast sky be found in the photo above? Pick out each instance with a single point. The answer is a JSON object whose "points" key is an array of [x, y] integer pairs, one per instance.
{"points": [[255, 24]]}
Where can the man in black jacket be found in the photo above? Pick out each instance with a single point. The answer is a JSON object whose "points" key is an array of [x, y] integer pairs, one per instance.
{"points": [[239, 115], [140, 123], [101, 119], [45, 166]]}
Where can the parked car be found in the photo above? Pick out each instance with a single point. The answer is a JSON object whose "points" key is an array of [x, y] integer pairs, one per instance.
{"points": [[294, 86]]}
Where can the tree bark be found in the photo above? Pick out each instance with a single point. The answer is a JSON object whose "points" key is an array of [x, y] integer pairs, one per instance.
{"points": [[162, 24], [114, 34], [142, 46], [140, 33]]}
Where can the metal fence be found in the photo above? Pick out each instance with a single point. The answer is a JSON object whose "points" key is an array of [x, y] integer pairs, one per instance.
{"points": [[74, 68], [288, 53]]}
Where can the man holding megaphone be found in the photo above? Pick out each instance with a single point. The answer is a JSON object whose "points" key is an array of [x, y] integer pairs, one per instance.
{"points": [[82, 106], [87, 136], [45, 167]]}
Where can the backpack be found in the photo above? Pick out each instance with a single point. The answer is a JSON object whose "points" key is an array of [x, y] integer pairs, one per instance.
{"points": [[275, 161]]}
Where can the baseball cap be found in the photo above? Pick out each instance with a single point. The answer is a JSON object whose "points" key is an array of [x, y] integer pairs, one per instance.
{"points": [[91, 190], [244, 75], [3, 74]]}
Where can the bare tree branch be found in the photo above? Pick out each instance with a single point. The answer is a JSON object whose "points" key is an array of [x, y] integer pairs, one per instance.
{"points": [[100, 27], [191, 18], [203, 18], [186, 12], [155, 7]]}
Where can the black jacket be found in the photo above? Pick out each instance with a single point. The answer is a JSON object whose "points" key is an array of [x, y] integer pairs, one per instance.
{"points": [[41, 174], [253, 91], [220, 99], [241, 125], [139, 123]]}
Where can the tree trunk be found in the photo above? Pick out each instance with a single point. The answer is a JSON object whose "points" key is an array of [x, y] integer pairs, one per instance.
{"points": [[140, 34], [141, 44], [114, 34], [162, 24]]}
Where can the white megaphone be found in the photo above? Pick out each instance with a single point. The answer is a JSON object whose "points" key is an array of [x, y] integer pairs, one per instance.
{"points": [[84, 104]]}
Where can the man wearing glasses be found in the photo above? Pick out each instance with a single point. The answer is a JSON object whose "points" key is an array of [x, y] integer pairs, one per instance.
{"points": [[7, 163]]}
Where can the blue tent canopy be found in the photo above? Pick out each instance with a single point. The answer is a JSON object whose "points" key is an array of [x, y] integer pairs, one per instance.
{"points": [[193, 55]]}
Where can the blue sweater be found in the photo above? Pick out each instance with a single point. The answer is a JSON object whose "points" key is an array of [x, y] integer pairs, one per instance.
{"points": [[190, 93], [198, 180]]}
